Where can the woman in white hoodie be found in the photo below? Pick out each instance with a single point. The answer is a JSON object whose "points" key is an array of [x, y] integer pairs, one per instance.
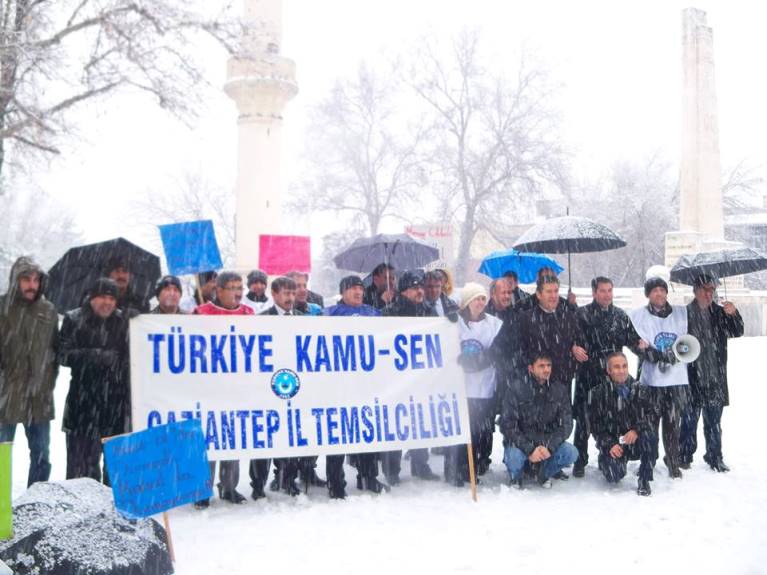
{"points": [[478, 331]]}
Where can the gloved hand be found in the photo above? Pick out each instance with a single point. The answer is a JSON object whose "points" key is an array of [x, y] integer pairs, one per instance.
{"points": [[473, 362], [668, 356]]}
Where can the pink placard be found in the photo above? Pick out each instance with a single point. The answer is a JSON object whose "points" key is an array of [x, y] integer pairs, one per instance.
{"points": [[281, 254]]}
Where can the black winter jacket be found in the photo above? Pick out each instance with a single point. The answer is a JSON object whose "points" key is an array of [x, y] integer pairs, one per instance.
{"points": [[535, 414], [604, 332], [610, 415], [553, 333], [712, 388], [98, 402]]}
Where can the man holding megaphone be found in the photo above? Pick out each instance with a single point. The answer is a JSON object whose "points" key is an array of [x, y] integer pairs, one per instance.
{"points": [[712, 324], [660, 325]]}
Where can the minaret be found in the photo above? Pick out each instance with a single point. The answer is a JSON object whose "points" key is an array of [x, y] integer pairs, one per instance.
{"points": [[701, 217], [261, 82]]}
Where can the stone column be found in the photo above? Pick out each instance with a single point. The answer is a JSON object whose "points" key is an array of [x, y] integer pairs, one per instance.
{"points": [[701, 219], [261, 82]]}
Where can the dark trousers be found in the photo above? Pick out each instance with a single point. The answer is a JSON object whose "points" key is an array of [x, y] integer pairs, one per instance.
{"points": [[38, 439], [391, 462], [582, 428], [481, 427], [366, 464], [84, 458], [669, 403], [712, 432], [334, 470], [259, 472], [228, 475], [644, 449]]}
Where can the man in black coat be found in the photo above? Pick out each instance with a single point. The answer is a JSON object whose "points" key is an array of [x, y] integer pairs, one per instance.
{"points": [[129, 302], [713, 325], [409, 303], [606, 329], [381, 293], [93, 342], [619, 415], [535, 424], [551, 327]]}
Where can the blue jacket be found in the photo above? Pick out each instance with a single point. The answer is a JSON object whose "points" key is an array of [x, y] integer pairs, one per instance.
{"points": [[348, 310]]}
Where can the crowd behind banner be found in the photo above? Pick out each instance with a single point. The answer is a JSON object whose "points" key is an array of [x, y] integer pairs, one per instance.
{"points": [[534, 365]]}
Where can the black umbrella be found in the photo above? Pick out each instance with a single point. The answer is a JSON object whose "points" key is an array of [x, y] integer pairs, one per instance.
{"points": [[400, 251], [568, 234], [717, 264], [79, 267]]}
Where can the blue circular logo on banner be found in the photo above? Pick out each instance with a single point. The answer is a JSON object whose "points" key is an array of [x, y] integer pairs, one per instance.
{"points": [[285, 383]]}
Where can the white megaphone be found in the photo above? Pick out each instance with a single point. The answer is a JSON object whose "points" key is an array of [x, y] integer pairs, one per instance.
{"points": [[686, 348]]}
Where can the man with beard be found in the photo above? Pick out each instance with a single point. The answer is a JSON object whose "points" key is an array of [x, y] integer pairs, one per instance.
{"points": [[501, 299], [93, 342], [130, 303], [28, 368], [606, 329]]}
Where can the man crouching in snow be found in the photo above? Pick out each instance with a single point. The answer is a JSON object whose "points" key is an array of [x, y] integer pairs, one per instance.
{"points": [[535, 422], [619, 419]]}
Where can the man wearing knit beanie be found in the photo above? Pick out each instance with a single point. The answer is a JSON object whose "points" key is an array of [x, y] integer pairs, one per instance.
{"points": [[659, 324]]}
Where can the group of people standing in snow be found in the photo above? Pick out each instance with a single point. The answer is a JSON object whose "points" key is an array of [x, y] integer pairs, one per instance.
{"points": [[534, 365]]}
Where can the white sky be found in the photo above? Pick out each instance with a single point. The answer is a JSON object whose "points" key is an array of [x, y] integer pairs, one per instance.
{"points": [[619, 62]]}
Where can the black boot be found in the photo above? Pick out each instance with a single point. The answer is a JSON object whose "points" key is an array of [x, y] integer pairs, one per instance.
{"points": [[258, 492], [717, 464], [643, 488], [673, 470], [337, 490], [231, 495]]}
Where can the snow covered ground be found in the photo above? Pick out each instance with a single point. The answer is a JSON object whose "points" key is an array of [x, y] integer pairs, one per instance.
{"points": [[704, 523]]}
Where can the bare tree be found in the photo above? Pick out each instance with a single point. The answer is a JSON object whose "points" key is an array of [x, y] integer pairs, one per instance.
{"points": [[639, 201], [32, 223], [58, 54], [360, 158], [194, 198], [493, 141]]}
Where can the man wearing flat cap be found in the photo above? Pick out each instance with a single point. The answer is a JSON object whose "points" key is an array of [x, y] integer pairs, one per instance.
{"points": [[93, 343], [409, 303], [713, 324]]}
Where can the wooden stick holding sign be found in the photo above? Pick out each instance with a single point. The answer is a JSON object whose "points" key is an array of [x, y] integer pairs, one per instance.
{"points": [[472, 476], [166, 521], [165, 518], [158, 469]]}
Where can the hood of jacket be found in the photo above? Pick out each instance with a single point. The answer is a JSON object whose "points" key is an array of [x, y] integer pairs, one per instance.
{"points": [[21, 266]]}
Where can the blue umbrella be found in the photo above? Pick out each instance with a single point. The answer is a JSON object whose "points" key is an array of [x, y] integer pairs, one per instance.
{"points": [[525, 264]]}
